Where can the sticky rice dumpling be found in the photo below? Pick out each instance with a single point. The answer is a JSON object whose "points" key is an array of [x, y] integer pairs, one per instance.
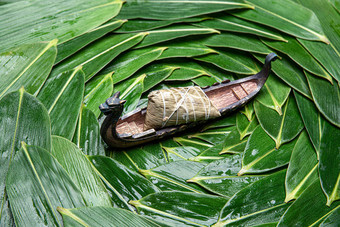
{"points": [[178, 106]]}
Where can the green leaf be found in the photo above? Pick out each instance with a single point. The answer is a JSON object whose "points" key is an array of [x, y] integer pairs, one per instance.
{"points": [[181, 153], [184, 47], [186, 70], [22, 118], [32, 21], [212, 136], [221, 122], [281, 128], [26, 65], [230, 61], [97, 90], [290, 74], [277, 14], [80, 171], [328, 17], [172, 208], [129, 62], [230, 23], [70, 47], [173, 176], [233, 144], [202, 145], [102, 216], [87, 136], [140, 25], [38, 183], [329, 163], [173, 32], [155, 74], [336, 4], [122, 183], [274, 94], [260, 154], [302, 169], [220, 176], [332, 219], [131, 91], [147, 157], [237, 41], [98, 54], [209, 154], [326, 98], [171, 10], [259, 203], [308, 209], [300, 55], [62, 96], [312, 120], [244, 126]]}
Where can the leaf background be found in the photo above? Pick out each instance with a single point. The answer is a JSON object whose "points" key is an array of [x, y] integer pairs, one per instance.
{"points": [[282, 149]]}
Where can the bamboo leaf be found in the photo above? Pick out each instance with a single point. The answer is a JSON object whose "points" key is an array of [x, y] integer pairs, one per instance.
{"points": [[237, 41], [336, 4], [80, 171], [300, 55], [332, 219], [87, 136], [173, 176], [199, 144], [102, 216], [308, 209], [184, 47], [302, 169], [329, 18], [186, 70], [155, 74], [173, 32], [326, 98], [220, 176], [147, 157], [230, 61], [140, 25], [312, 120], [128, 63], [38, 183], [290, 74], [329, 163], [26, 65], [274, 94], [22, 118], [55, 95], [181, 153], [259, 203], [303, 23], [31, 21], [233, 144], [131, 91], [171, 10], [209, 154], [244, 126], [97, 90], [98, 54], [122, 183], [172, 208], [261, 155], [213, 136], [70, 47], [281, 128], [230, 23]]}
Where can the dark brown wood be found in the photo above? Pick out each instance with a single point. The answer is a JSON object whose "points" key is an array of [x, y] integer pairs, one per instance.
{"points": [[127, 131]]}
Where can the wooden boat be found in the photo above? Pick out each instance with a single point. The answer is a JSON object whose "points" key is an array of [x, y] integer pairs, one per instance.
{"points": [[128, 130]]}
